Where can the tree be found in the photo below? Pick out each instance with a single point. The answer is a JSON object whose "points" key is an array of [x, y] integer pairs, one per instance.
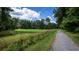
{"points": [[5, 18], [42, 25], [49, 23], [60, 14], [68, 18]]}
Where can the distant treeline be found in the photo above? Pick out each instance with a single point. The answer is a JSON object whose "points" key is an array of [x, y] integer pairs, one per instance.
{"points": [[7, 22], [37, 24]]}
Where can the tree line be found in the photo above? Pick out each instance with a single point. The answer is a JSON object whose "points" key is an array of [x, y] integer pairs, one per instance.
{"points": [[30, 24], [68, 18], [9, 23]]}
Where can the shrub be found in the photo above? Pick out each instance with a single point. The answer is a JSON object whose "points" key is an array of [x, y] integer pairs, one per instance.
{"points": [[77, 30], [70, 24], [6, 33]]}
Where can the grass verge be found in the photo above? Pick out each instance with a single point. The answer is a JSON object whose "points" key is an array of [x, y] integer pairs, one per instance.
{"points": [[74, 36]]}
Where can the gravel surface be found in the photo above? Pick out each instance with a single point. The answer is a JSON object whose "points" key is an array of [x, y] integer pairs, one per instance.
{"points": [[63, 43]]}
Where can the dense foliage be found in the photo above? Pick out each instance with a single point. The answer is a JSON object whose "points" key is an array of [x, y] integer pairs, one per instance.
{"points": [[5, 20], [68, 18], [36, 24]]}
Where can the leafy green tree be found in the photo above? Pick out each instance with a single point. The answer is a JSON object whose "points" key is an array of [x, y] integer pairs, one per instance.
{"points": [[68, 18], [49, 25], [5, 18], [60, 14]]}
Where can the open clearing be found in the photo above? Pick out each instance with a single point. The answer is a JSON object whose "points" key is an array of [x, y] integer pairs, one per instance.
{"points": [[28, 30]]}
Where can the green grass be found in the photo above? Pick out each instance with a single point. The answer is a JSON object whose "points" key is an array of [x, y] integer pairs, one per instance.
{"points": [[74, 36], [37, 39], [44, 44], [28, 30], [11, 32], [19, 31], [6, 41]]}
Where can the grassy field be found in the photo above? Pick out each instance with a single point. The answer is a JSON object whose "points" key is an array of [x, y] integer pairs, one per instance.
{"points": [[19, 31], [27, 39], [44, 44], [28, 30], [74, 36]]}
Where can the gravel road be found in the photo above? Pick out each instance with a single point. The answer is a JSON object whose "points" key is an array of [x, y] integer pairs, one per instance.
{"points": [[63, 43]]}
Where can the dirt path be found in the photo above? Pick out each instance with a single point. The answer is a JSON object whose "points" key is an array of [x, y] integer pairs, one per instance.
{"points": [[63, 43]]}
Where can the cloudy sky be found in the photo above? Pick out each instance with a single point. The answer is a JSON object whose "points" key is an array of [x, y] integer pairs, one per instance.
{"points": [[33, 13]]}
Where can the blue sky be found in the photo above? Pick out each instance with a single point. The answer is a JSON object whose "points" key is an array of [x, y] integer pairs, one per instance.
{"points": [[44, 11], [32, 13]]}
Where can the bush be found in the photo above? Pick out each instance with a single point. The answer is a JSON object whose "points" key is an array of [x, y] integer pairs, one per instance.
{"points": [[6, 33], [77, 30], [70, 24]]}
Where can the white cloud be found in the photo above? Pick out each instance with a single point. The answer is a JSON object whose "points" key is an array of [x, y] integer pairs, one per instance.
{"points": [[25, 13], [52, 19]]}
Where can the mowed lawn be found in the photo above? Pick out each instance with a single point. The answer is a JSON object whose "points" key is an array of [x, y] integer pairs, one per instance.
{"points": [[12, 42]]}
